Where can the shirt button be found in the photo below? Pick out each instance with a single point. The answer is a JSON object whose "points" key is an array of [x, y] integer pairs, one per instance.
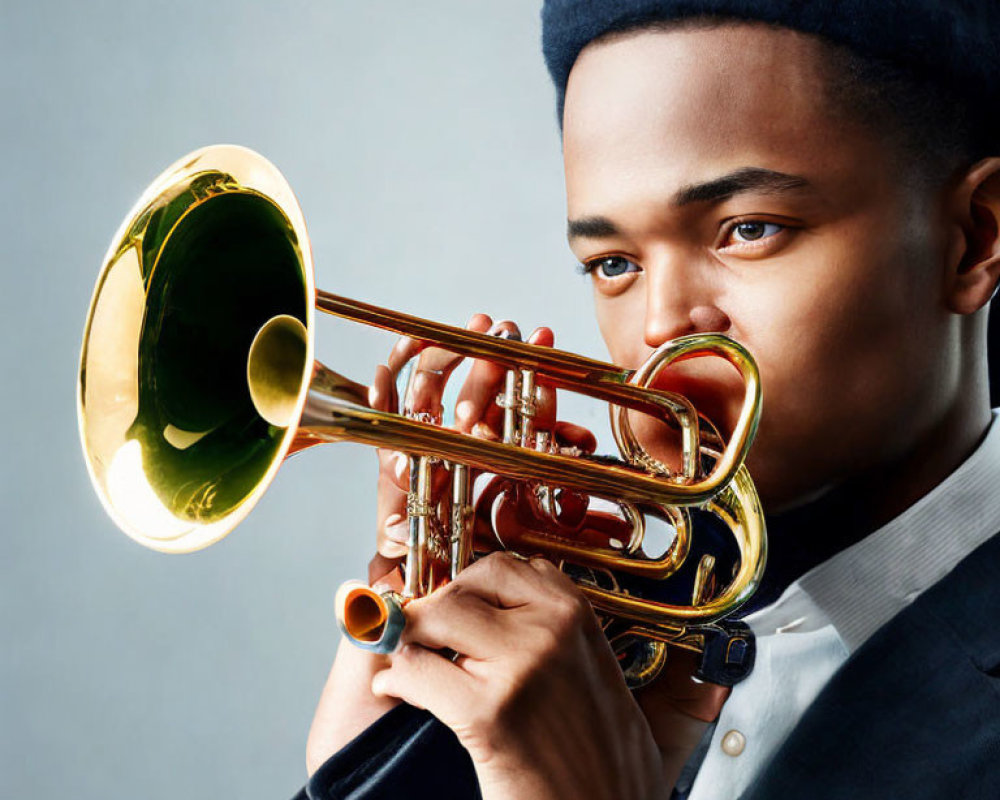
{"points": [[733, 743]]}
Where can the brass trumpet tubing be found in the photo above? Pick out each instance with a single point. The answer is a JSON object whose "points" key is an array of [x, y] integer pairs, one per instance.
{"points": [[739, 506], [557, 548], [461, 518], [526, 408], [624, 388], [562, 369], [682, 349], [704, 583], [638, 526], [417, 510], [509, 403], [509, 514], [336, 418], [558, 365]]}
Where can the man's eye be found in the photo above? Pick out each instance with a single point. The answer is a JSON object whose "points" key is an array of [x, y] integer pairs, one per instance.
{"points": [[610, 266], [754, 231]]}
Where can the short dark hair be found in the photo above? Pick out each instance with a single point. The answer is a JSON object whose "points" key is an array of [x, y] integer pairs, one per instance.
{"points": [[935, 129]]}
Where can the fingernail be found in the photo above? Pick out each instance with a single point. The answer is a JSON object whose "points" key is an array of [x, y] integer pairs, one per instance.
{"points": [[392, 549], [483, 431], [378, 683], [381, 588], [402, 462], [398, 532], [503, 333]]}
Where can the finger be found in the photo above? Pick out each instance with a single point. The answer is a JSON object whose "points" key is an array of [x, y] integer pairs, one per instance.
{"points": [[569, 435], [545, 409], [484, 382], [545, 395], [508, 582], [404, 349], [394, 474], [461, 621], [545, 412], [380, 393], [435, 359], [393, 483], [426, 385], [393, 537], [479, 322], [433, 369], [389, 511], [426, 679], [542, 336], [382, 397], [385, 575], [394, 466], [392, 463]]}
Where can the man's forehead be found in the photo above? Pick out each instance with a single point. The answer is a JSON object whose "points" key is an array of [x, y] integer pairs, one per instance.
{"points": [[669, 111], [730, 71]]}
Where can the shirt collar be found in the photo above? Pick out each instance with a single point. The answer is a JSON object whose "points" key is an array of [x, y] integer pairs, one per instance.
{"points": [[864, 586]]}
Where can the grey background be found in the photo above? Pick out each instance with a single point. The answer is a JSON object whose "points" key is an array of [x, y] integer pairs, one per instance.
{"points": [[421, 141]]}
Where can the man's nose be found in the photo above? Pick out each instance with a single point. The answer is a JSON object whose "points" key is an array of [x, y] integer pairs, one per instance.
{"points": [[680, 300]]}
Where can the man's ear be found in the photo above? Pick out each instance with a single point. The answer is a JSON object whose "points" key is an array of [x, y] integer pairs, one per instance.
{"points": [[975, 268]]}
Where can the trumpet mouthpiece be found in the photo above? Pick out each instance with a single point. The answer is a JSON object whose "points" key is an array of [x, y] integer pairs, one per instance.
{"points": [[370, 620]]}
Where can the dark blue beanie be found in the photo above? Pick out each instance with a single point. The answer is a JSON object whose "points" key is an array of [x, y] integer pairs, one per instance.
{"points": [[954, 43]]}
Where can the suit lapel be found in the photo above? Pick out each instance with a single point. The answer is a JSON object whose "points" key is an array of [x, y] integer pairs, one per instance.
{"points": [[915, 712]]}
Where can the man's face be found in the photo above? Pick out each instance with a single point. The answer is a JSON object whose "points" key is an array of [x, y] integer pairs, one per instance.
{"points": [[712, 187]]}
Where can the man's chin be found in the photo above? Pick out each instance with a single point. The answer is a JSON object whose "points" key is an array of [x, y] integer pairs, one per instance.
{"points": [[784, 479]]}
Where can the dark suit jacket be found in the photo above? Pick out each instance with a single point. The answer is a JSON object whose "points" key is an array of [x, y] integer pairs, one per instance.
{"points": [[914, 713]]}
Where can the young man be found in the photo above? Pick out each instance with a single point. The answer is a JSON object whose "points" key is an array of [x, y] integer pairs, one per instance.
{"points": [[823, 185]]}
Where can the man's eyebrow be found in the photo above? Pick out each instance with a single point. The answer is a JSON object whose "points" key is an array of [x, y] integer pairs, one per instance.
{"points": [[744, 179], [590, 228]]}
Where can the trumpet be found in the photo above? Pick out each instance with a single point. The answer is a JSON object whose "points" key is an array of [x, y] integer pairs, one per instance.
{"points": [[198, 378]]}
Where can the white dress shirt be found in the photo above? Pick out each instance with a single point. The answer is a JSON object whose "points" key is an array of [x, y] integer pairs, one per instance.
{"points": [[804, 637]]}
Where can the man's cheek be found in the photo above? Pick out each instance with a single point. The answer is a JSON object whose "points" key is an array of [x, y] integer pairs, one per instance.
{"points": [[622, 334]]}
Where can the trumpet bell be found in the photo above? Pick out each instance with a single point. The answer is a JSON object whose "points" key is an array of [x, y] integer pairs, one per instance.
{"points": [[177, 450]]}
